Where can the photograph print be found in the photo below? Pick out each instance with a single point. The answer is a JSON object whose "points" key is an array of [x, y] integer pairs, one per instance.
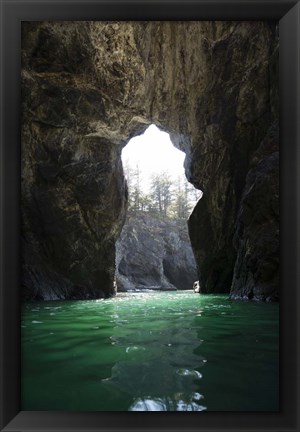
{"points": [[150, 216]]}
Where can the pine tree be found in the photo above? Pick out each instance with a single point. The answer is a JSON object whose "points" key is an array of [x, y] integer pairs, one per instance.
{"points": [[161, 192], [167, 197]]}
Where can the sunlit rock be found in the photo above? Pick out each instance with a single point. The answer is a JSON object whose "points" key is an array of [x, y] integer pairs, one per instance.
{"points": [[155, 254]]}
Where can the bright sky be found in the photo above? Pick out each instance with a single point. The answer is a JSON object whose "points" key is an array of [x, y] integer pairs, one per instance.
{"points": [[154, 153]]}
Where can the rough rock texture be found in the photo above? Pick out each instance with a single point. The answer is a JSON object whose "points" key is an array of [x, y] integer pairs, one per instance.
{"points": [[235, 113], [155, 254], [256, 272], [87, 87], [73, 189]]}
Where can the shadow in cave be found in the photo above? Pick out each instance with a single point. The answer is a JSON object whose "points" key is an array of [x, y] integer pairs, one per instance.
{"points": [[154, 251]]}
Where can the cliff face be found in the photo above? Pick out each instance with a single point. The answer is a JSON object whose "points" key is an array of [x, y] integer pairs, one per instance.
{"points": [[236, 111], [154, 254], [256, 237], [88, 87]]}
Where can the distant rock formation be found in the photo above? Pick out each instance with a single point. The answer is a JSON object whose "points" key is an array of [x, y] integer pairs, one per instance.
{"points": [[88, 87], [155, 254]]}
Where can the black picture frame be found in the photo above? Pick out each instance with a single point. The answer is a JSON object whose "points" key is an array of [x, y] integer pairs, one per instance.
{"points": [[12, 13]]}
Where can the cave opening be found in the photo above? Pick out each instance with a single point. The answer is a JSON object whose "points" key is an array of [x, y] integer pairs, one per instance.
{"points": [[154, 250]]}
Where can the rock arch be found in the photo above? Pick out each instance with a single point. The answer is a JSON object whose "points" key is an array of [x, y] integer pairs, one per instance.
{"points": [[88, 87]]}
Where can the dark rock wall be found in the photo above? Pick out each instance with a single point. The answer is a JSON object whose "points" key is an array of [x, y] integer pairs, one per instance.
{"points": [[87, 87], [155, 254], [256, 238], [235, 113]]}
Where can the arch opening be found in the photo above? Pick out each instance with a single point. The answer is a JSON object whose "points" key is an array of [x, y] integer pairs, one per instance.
{"points": [[154, 250]]}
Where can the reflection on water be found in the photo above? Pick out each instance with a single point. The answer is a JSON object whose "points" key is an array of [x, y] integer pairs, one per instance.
{"points": [[180, 402], [153, 351]]}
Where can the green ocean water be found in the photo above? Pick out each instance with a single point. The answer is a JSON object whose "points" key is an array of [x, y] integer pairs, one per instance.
{"points": [[151, 351]]}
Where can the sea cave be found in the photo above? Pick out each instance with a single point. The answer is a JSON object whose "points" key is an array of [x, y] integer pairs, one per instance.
{"points": [[92, 337]]}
